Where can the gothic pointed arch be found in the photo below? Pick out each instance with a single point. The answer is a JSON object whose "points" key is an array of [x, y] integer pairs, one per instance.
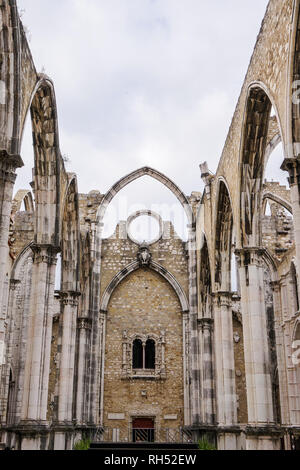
{"points": [[258, 107], [85, 270], [10, 72], [16, 272], [16, 335], [223, 238], [279, 200], [46, 162], [294, 73], [146, 171], [205, 285], [70, 242], [135, 266], [23, 196], [271, 146]]}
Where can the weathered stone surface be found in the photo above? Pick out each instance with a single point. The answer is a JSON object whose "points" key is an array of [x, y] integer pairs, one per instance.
{"points": [[226, 363]]}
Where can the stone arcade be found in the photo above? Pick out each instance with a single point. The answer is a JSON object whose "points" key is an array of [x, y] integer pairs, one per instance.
{"points": [[149, 339]]}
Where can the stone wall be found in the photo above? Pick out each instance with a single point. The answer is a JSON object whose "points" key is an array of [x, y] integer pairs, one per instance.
{"points": [[144, 303]]}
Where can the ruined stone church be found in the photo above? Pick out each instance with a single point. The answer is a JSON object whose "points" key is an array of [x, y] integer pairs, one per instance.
{"points": [[151, 341]]}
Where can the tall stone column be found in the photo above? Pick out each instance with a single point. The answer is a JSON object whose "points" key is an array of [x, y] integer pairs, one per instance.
{"points": [[102, 333], [224, 353], [5, 366], [84, 328], [206, 327], [258, 378], [196, 417], [8, 166], [283, 387], [40, 332], [69, 301], [292, 166]]}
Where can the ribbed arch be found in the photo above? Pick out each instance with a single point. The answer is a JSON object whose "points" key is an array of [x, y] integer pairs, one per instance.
{"points": [[253, 159], [135, 266], [146, 171], [223, 238], [70, 242]]}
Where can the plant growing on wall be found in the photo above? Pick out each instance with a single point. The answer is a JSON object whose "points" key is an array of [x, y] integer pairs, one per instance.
{"points": [[84, 444]]}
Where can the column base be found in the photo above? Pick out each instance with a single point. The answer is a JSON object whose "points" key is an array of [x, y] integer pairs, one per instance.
{"points": [[230, 441], [268, 437]]}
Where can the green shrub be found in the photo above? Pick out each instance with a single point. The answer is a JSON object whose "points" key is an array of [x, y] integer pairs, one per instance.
{"points": [[204, 444], [84, 444]]}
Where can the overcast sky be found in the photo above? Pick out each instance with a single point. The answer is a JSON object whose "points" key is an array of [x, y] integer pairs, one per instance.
{"points": [[141, 82]]}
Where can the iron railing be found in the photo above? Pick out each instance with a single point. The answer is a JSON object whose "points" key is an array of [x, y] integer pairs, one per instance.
{"points": [[163, 435]]}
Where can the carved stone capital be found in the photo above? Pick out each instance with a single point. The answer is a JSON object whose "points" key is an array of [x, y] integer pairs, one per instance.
{"points": [[206, 324], [45, 254], [84, 323], [292, 166], [249, 255], [275, 285], [13, 283], [8, 165], [69, 298], [223, 298]]}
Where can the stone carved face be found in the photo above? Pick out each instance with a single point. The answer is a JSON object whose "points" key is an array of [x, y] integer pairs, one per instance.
{"points": [[144, 256]]}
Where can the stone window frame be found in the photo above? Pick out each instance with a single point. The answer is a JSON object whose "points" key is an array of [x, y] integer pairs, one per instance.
{"points": [[144, 356], [159, 373]]}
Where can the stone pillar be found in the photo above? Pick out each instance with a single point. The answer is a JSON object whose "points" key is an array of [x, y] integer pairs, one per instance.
{"points": [[84, 327], [280, 349], [8, 166], [257, 367], [224, 353], [206, 328], [196, 417], [69, 302], [102, 333], [5, 366], [292, 165], [40, 331], [286, 308], [186, 374]]}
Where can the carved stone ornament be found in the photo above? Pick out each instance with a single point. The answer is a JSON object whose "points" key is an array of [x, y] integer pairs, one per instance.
{"points": [[236, 337], [159, 372], [144, 256]]}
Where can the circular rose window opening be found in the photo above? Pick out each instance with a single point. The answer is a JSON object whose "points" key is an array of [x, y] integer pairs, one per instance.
{"points": [[144, 226]]}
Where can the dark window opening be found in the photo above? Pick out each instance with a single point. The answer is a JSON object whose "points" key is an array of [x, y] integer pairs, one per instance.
{"points": [[150, 355], [143, 355], [137, 354]]}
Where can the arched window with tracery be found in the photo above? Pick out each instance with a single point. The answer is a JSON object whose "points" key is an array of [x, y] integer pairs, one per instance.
{"points": [[143, 354]]}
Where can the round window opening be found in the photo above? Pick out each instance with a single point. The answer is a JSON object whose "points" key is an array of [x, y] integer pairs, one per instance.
{"points": [[144, 227]]}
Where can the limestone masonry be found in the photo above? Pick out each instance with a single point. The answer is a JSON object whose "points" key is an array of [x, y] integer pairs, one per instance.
{"points": [[166, 340]]}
